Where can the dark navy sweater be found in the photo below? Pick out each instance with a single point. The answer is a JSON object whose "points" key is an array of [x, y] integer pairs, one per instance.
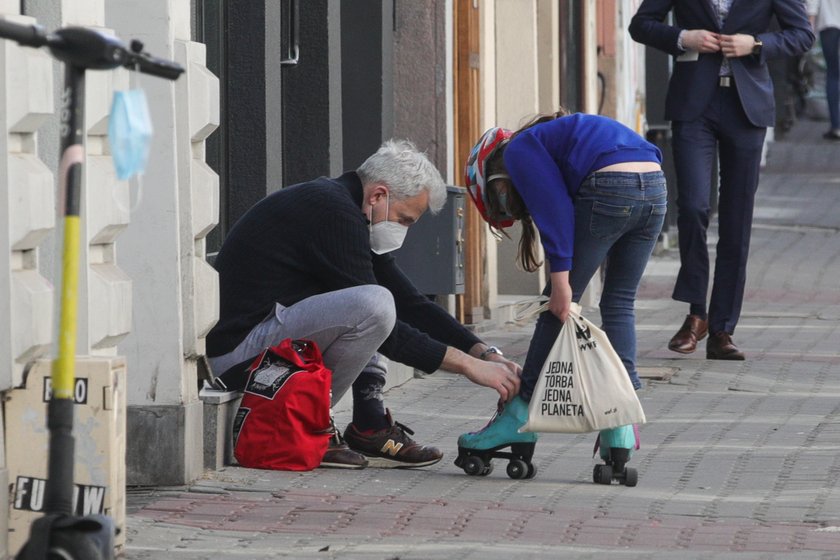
{"points": [[548, 162], [310, 239]]}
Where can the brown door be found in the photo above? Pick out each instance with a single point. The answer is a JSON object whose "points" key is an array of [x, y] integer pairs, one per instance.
{"points": [[467, 106]]}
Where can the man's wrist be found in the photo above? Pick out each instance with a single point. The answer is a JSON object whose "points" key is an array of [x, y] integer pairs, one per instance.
{"points": [[757, 46], [680, 44], [490, 350]]}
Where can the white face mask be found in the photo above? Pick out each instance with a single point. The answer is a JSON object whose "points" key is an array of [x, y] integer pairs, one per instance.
{"points": [[386, 236]]}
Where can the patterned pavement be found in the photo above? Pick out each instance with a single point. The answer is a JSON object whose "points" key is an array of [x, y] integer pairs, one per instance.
{"points": [[738, 459]]}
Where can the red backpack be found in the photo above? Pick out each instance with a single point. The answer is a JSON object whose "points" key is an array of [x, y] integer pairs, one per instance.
{"points": [[284, 417]]}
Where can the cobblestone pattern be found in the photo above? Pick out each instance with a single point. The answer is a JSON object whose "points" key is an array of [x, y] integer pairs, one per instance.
{"points": [[738, 459]]}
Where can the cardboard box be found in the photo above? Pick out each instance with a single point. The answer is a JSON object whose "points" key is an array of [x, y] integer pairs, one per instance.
{"points": [[99, 433]]}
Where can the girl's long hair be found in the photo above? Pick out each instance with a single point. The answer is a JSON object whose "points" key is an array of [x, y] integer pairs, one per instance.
{"points": [[528, 251]]}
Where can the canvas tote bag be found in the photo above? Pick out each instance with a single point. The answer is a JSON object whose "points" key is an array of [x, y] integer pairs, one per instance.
{"points": [[583, 386]]}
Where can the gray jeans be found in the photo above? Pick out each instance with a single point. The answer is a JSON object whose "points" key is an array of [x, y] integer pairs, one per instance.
{"points": [[348, 326]]}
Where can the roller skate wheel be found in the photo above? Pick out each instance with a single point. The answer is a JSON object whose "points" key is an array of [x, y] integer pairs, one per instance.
{"points": [[532, 470], [487, 470], [473, 465], [517, 469], [631, 477], [602, 474]]}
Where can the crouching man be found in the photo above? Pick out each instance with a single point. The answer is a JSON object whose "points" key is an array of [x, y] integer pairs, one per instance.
{"points": [[313, 261]]}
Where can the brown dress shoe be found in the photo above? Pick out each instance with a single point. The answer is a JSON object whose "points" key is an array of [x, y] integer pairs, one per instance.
{"points": [[693, 329], [720, 347], [339, 455]]}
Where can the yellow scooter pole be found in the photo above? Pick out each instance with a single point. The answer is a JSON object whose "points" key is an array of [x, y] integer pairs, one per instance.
{"points": [[59, 491], [63, 368]]}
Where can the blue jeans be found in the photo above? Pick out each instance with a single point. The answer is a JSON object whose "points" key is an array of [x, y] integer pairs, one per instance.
{"points": [[618, 217], [830, 42]]}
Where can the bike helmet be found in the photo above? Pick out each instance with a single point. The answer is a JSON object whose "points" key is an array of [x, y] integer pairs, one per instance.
{"points": [[474, 174]]}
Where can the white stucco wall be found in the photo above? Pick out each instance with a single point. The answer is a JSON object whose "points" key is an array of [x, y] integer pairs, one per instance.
{"points": [[630, 71], [518, 80], [175, 291], [145, 288], [27, 205]]}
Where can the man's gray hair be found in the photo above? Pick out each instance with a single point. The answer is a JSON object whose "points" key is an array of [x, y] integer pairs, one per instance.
{"points": [[406, 172]]}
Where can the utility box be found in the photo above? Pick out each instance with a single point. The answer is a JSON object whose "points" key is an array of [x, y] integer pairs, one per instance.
{"points": [[99, 433], [432, 255]]}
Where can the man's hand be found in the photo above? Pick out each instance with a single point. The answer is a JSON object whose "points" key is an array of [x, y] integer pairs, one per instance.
{"points": [[515, 368], [497, 373], [701, 40], [734, 46], [496, 376]]}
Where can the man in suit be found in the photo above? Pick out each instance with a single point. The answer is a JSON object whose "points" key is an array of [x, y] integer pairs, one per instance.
{"points": [[720, 98]]}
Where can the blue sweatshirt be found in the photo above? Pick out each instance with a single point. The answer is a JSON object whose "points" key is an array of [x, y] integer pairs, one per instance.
{"points": [[548, 162]]}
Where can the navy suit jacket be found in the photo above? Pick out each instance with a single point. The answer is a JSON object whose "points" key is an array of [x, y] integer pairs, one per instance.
{"points": [[693, 83]]}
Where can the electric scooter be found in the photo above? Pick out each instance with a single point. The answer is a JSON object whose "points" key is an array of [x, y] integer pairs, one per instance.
{"points": [[59, 534]]}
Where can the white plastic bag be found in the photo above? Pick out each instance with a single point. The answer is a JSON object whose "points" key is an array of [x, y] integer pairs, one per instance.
{"points": [[583, 386]]}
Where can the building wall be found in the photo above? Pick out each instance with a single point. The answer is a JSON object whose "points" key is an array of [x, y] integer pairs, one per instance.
{"points": [[421, 98], [516, 83], [312, 97], [176, 291], [589, 53], [27, 206], [27, 218], [621, 63], [104, 306], [521, 71], [548, 61], [145, 290]]}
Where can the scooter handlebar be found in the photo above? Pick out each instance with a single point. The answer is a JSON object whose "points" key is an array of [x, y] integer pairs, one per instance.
{"points": [[147, 64], [91, 49], [26, 35]]}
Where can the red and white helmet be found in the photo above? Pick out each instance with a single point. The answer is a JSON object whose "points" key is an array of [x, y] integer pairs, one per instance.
{"points": [[474, 174]]}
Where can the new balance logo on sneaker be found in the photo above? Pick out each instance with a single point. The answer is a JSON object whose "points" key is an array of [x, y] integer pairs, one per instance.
{"points": [[391, 448]]}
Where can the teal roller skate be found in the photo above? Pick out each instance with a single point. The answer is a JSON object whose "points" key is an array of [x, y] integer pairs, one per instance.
{"points": [[476, 450], [616, 445]]}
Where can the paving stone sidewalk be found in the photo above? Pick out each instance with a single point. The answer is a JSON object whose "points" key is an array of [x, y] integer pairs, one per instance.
{"points": [[738, 459]]}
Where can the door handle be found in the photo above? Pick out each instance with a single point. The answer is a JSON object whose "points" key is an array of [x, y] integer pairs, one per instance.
{"points": [[291, 16]]}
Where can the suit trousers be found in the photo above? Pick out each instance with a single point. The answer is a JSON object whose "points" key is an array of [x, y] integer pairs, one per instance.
{"points": [[830, 42], [723, 128]]}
